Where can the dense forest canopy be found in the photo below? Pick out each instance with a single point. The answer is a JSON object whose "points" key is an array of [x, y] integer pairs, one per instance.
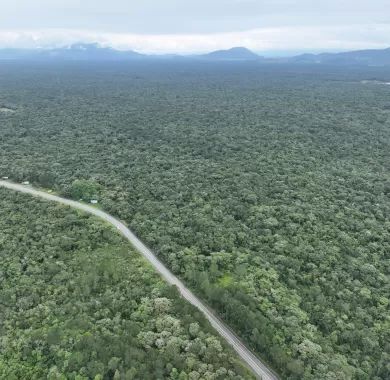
{"points": [[266, 188], [76, 302]]}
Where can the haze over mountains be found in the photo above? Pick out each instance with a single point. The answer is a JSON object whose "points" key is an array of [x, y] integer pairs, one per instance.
{"points": [[360, 57], [94, 52]]}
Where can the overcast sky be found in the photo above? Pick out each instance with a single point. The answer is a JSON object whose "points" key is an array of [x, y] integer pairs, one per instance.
{"points": [[186, 26]]}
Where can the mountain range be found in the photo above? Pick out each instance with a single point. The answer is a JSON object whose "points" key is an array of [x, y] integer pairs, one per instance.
{"points": [[94, 52], [360, 57]]}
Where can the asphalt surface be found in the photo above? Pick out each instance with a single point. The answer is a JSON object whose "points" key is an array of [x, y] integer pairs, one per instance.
{"points": [[259, 368]]}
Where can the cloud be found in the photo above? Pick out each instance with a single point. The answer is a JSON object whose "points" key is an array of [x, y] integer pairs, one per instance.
{"points": [[331, 37], [189, 16], [197, 25]]}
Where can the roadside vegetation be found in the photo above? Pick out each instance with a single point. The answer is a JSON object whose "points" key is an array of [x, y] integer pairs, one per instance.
{"points": [[76, 302], [267, 189]]}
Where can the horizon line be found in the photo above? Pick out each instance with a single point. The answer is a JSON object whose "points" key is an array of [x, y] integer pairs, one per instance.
{"points": [[262, 40], [267, 52]]}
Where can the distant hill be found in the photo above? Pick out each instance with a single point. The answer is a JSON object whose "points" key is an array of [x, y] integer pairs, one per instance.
{"points": [[234, 54], [359, 57], [76, 52], [94, 52]]}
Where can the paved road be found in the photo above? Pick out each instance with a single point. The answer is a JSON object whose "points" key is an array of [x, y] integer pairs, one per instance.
{"points": [[257, 366]]}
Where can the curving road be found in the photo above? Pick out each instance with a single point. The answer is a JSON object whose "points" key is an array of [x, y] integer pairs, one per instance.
{"points": [[258, 367]]}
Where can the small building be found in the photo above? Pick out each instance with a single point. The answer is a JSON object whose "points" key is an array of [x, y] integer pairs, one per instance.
{"points": [[5, 178], [94, 201], [26, 183]]}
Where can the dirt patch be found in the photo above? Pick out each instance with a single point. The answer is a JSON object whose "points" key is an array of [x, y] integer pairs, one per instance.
{"points": [[7, 109], [375, 82]]}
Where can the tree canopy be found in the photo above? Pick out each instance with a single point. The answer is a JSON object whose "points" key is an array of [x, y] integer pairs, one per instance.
{"points": [[76, 302], [266, 188]]}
